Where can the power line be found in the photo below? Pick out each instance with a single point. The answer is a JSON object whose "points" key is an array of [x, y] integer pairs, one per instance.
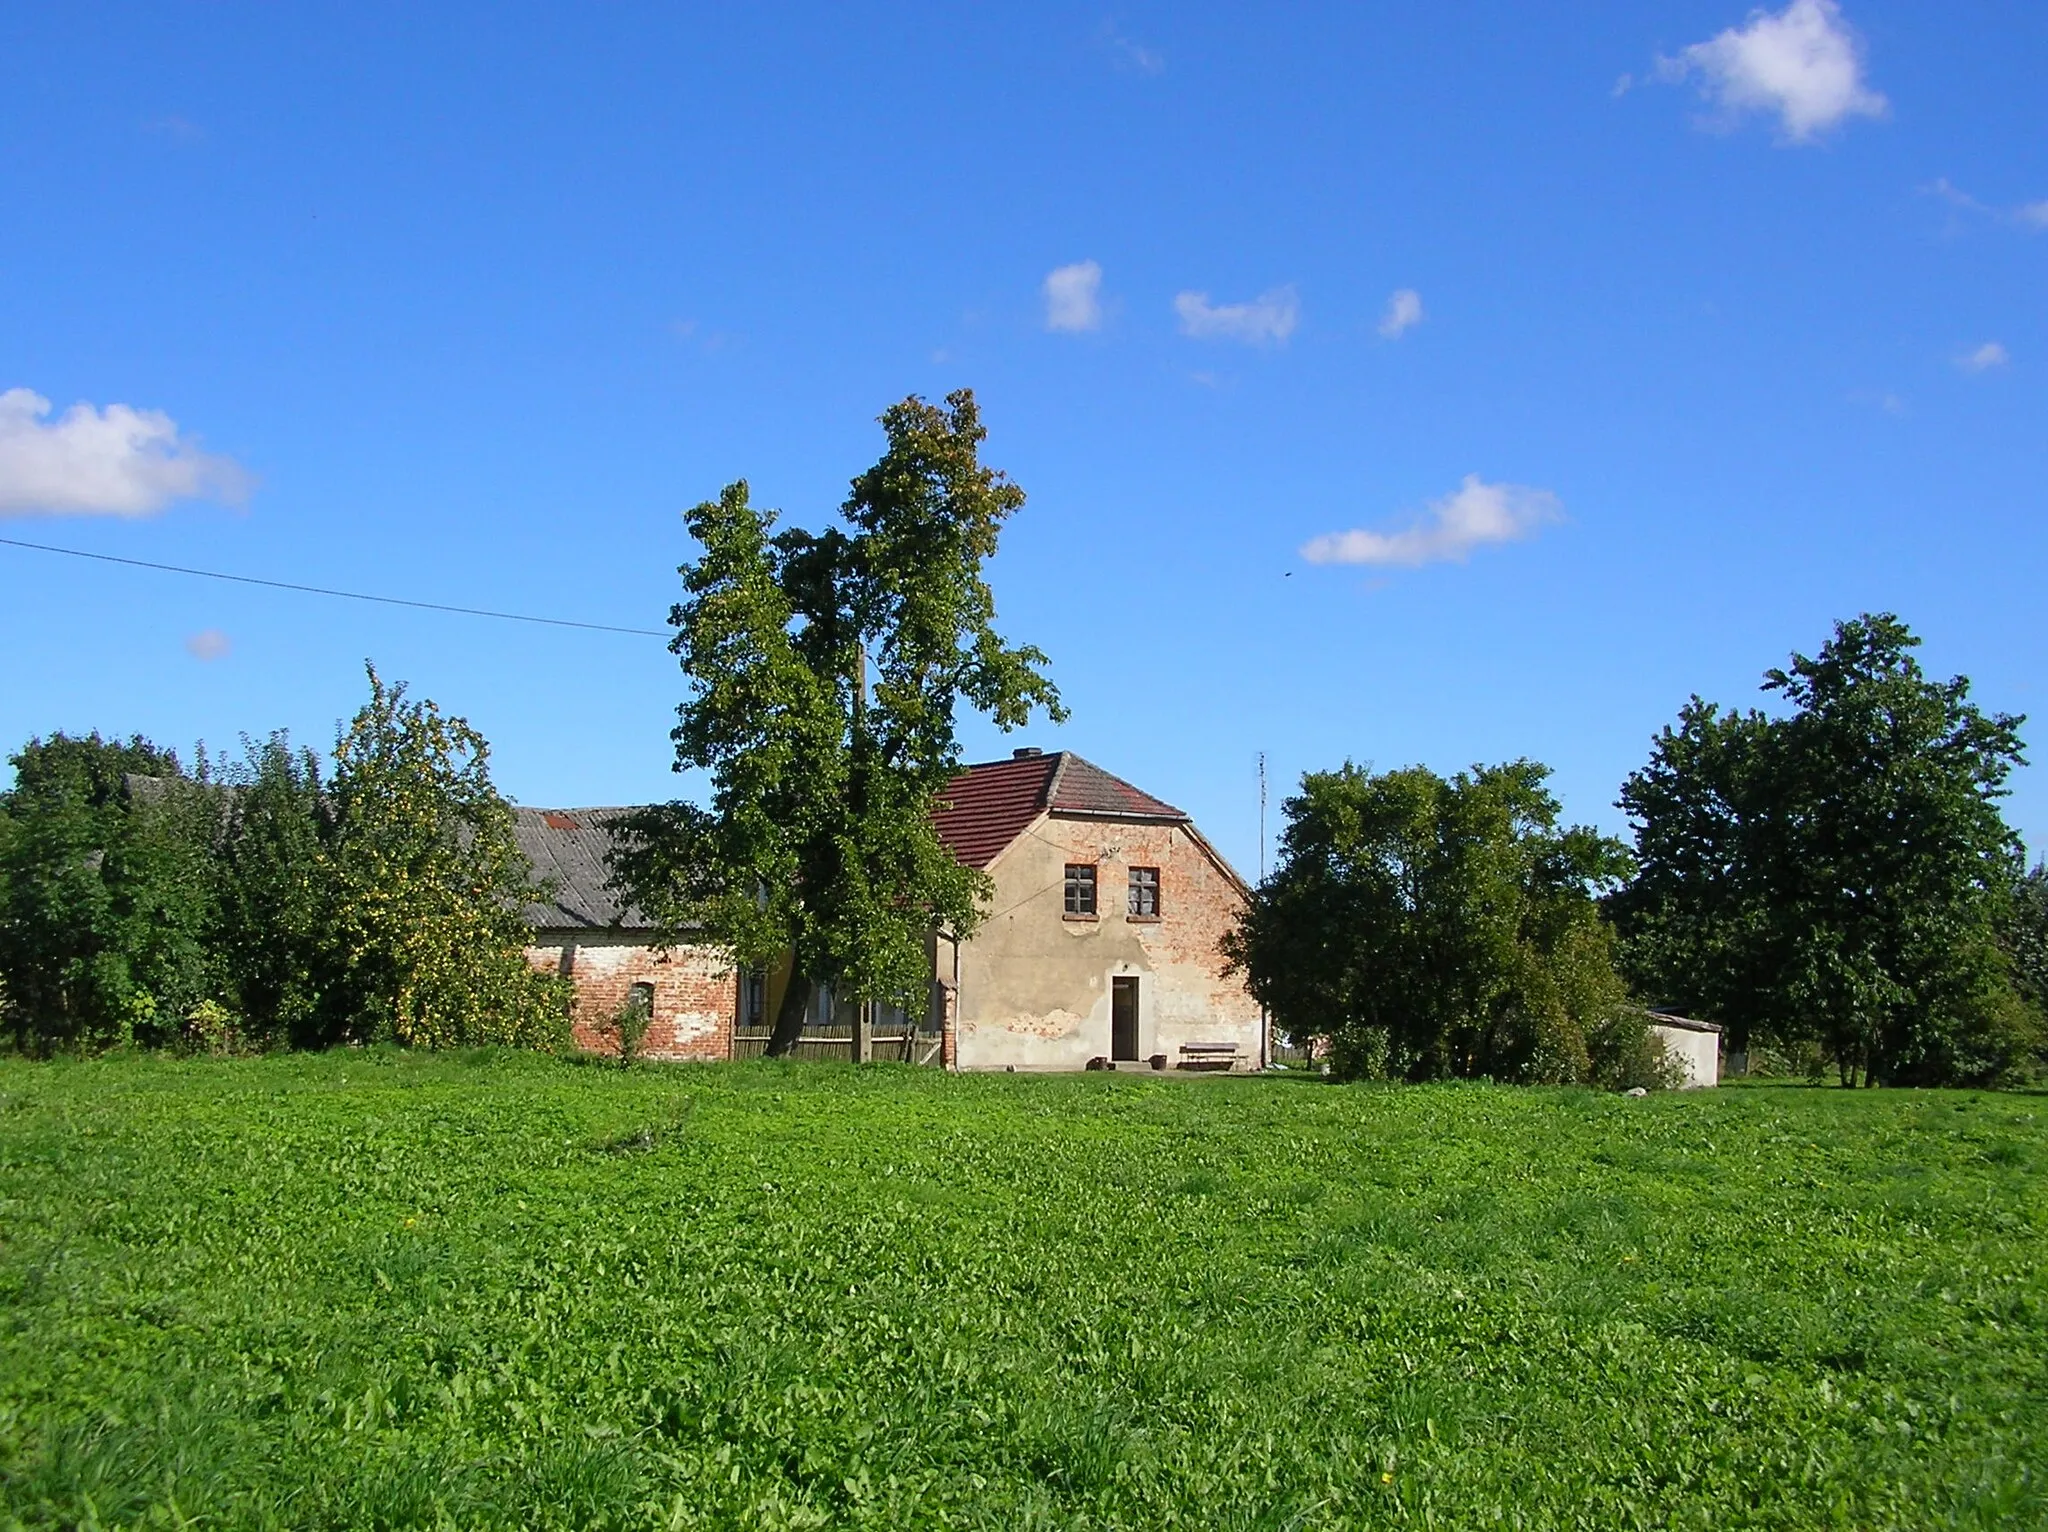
{"points": [[346, 595]]}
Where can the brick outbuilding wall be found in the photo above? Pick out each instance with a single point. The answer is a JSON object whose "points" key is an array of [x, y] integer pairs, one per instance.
{"points": [[695, 992]]}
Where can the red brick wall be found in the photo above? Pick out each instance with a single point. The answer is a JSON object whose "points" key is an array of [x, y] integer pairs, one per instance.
{"points": [[695, 992]]}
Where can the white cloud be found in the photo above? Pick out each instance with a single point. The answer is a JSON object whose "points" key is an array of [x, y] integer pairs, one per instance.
{"points": [[1803, 63], [1954, 195], [209, 644], [1267, 320], [2032, 215], [1130, 52], [1404, 312], [119, 461], [1987, 356], [1879, 399], [1478, 513], [1073, 297]]}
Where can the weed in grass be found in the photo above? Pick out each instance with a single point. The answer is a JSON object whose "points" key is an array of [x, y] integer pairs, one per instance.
{"points": [[649, 1135]]}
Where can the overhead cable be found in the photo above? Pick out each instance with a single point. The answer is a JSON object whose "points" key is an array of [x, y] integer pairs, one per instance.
{"points": [[345, 595]]}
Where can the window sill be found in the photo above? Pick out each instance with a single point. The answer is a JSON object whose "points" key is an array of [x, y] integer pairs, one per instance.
{"points": [[1141, 920], [1086, 920]]}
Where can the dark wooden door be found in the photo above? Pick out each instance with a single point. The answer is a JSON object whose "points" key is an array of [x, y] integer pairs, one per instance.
{"points": [[1123, 1019]]}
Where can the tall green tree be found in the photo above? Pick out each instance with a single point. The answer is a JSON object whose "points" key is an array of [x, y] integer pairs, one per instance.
{"points": [[1434, 928], [106, 894], [1840, 873], [825, 671], [2026, 937], [277, 898], [426, 886], [1698, 913]]}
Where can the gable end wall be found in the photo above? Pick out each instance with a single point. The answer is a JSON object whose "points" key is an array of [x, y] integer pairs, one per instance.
{"points": [[1035, 986]]}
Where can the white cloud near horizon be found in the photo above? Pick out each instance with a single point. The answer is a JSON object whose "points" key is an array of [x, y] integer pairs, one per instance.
{"points": [[1265, 321], [1073, 297], [1475, 515], [1404, 312], [2033, 214], [208, 645], [1985, 357], [1804, 63], [119, 461]]}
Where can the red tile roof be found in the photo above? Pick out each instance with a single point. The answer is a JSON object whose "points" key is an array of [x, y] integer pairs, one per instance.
{"points": [[989, 805], [1082, 787]]}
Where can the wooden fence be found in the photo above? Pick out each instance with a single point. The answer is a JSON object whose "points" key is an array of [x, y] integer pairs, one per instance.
{"points": [[891, 1038]]}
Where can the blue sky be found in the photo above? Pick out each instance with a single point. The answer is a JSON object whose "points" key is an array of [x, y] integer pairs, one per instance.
{"points": [[1720, 325]]}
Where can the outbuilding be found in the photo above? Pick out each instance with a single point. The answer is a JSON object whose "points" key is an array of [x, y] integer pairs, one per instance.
{"points": [[1696, 1045]]}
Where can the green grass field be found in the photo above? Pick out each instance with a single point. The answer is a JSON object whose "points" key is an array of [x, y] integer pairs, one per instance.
{"points": [[378, 1290]]}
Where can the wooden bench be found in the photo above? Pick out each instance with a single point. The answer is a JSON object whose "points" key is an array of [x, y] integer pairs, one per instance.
{"points": [[1208, 1056]]}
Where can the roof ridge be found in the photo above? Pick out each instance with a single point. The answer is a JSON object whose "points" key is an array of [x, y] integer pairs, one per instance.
{"points": [[1054, 778]]}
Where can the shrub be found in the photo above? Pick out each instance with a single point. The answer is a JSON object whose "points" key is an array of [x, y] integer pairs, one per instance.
{"points": [[629, 1024], [213, 1028], [1627, 1054]]}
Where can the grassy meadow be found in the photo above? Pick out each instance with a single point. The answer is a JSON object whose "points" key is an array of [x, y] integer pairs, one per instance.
{"points": [[369, 1289]]}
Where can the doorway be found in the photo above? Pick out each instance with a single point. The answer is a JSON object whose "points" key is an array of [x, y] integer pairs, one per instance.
{"points": [[1123, 1019]]}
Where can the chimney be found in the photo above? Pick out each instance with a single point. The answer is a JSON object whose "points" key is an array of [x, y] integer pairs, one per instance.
{"points": [[1025, 752]]}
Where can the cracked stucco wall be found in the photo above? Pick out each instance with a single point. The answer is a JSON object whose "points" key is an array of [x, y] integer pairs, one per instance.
{"points": [[1035, 984]]}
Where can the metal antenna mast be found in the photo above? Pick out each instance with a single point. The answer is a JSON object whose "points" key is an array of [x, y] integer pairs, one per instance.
{"points": [[1262, 816]]}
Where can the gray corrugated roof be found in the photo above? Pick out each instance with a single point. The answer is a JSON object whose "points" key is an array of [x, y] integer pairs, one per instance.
{"points": [[567, 848]]}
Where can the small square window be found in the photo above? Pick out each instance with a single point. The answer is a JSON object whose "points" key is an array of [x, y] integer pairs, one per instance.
{"points": [[1080, 888], [1144, 891]]}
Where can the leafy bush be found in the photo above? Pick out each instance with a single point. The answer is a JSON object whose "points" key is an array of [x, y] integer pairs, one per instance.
{"points": [[1625, 1053], [106, 894], [384, 902], [629, 1024], [426, 931], [213, 1028]]}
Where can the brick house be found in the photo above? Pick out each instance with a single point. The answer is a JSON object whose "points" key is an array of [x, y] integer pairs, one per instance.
{"points": [[1103, 941], [1102, 945]]}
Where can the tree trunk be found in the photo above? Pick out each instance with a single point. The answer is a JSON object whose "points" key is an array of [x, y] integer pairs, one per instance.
{"points": [[789, 1016]]}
